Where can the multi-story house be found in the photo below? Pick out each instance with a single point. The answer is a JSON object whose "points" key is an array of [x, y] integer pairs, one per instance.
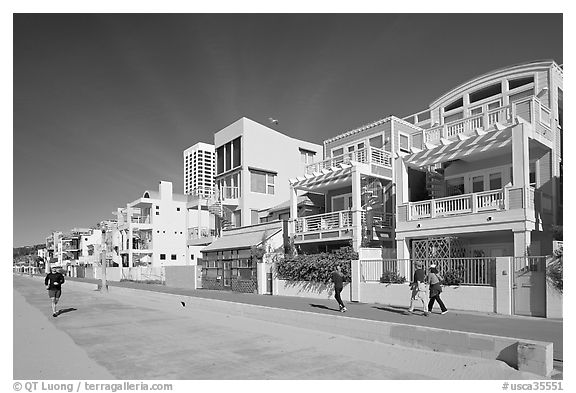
{"points": [[152, 229], [490, 154], [52, 245], [478, 173], [253, 165]]}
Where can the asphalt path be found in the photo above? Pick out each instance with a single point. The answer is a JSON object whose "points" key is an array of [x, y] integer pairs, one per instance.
{"points": [[143, 335]]}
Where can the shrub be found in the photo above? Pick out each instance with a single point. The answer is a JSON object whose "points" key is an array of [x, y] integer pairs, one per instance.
{"points": [[316, 267], [555, 271], [389, 277], [452, 277]]}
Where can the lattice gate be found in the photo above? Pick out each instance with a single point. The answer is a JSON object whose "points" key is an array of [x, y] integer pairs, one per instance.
{"points": [[438, 248]]}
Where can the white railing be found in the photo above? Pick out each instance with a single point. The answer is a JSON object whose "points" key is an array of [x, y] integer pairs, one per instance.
{"points": [[229, 192], [371, 270], [533, 111], [319, 222], [367, 155], [468, 124], [141, 220], [200, 232], [460, 204]]}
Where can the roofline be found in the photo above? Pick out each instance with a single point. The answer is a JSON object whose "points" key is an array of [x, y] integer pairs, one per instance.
{"points": [[531, 64], [368, 126]]}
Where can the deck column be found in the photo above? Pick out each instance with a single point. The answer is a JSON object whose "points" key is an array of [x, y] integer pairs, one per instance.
{"points": [[520, 160], [293, 210], [356, 210]]}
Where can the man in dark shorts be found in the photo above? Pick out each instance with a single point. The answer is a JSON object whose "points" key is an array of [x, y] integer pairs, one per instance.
{"points": [[53, 282], [338, 279]]}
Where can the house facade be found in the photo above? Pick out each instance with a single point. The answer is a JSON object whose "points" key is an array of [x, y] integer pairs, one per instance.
{"points": [[153, 229], [478, 173], [489, 157], [253, 165]]}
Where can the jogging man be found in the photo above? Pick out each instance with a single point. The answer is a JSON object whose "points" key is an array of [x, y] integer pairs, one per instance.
{"points": [[53, 282], [338, 279]]}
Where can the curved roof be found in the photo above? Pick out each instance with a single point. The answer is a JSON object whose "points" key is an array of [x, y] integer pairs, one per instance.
{"points": [[495, 74]]}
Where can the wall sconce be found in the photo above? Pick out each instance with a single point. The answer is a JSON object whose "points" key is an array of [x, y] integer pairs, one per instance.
{"points": [[418, 225], [542, 92], [504, 272], [489, 218]]}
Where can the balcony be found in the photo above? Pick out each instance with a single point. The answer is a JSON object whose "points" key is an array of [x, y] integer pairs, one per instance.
{"points": [[228, 194], [338, 225], [140, 220], [368, 155], [529, 109], [200, 235]]}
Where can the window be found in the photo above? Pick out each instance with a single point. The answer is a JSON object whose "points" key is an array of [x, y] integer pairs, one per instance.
{"points": [[177, 209], [453, 105], [376, 142], [486, 92], [173, 257], [262, 182], [495, 181], [455, 186], [337, 152], [157, 213], [236, 152], [307, 156], [162, 257], [478, 184], [514, 83], [192, 256], [532, 171], [404, 142]]}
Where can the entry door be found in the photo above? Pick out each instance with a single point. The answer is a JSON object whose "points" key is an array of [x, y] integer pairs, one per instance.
{"points": [[342, 202], [529, 286], [227, 273]]}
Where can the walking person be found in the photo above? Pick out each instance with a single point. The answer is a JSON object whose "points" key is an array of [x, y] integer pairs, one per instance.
{"points": [[53, 282], [418, 286], [435, 289], [338, 280]]}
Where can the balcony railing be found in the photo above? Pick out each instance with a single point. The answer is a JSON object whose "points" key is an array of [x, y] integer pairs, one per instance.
{"points": [[468, 125], [141, 220], [228, 192], [341, 220], [200, 233], [369, 155], [460, 204], [529, 109]]}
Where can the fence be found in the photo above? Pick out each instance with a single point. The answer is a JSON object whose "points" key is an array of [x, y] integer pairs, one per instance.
{"points": [[144, 274], [465, 271]]}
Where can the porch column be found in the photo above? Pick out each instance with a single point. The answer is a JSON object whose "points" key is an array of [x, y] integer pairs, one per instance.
{"points": [[130, 234], [293, 210], [521, 243], [401, 181], [403, 257], [356, 207], [504, 274], [520, 161]]}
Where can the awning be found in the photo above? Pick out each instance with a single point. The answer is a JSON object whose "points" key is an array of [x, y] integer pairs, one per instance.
{"points": [[326, 179], [460, 148], [242, 239]]}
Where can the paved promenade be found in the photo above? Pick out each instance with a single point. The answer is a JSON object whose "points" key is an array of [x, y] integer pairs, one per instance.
{"points": [[142, 335]]}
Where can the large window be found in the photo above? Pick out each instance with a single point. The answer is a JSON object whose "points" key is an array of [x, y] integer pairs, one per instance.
{"points": [[228, 156], [262, 182], [404, 142]]}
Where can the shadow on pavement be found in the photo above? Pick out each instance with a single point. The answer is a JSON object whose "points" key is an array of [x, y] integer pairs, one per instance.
{"points": [[65, 310], [324, 307], [394, 310]]}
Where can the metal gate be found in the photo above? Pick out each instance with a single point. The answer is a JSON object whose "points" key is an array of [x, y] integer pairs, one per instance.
{"points": [[529, 286]]}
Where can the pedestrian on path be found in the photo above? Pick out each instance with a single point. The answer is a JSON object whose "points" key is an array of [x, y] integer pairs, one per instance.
{"points": [[418, 286], [435, 289], [338, 280], [53, 282]]}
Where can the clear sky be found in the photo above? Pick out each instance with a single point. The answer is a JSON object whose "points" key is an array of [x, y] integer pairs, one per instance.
{"points": [[105, 104]]}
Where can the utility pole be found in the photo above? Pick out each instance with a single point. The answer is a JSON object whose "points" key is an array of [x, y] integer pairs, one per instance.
{"points": [[103, 249]]}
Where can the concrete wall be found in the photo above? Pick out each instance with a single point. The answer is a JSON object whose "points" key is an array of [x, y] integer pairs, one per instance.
{"points": [[309, 290], [181, 276]]}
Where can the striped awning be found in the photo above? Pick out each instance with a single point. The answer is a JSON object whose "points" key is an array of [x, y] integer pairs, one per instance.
{"points": [[460, 148], [330, 177]]}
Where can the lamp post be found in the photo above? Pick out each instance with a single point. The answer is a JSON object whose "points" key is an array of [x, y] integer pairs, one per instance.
{"points": [[104, 284]]}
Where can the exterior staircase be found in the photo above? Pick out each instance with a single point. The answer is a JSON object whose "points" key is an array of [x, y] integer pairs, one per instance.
{"points": [[224, 214]]}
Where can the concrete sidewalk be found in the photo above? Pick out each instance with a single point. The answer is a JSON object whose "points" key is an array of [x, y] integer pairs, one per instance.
{"points": [[136, 334], [530, 328]]}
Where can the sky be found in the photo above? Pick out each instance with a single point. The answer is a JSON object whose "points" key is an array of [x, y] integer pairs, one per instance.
{"points": [[105, 104]]}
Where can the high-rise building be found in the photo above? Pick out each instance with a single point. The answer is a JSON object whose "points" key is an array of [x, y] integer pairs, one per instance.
{"points": [[199, 170]]}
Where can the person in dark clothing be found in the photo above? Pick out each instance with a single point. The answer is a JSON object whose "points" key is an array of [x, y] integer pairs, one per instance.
{"points": [[418, 287], [338, 280], [435, 289], [53, 282]]}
